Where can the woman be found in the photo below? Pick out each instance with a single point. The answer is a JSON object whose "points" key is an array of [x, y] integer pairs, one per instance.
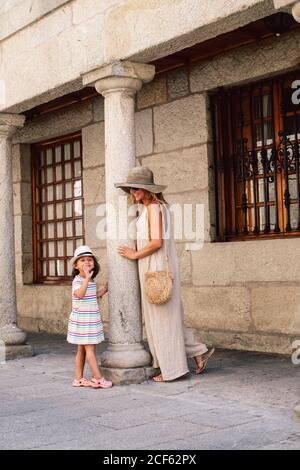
{"points": [[169, 341]]}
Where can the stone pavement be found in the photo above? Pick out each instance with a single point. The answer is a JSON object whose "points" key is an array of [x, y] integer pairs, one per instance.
{"points": [[243, 401]]}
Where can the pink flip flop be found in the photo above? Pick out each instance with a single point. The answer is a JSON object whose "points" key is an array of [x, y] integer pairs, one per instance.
{"points": [[83, 382]]}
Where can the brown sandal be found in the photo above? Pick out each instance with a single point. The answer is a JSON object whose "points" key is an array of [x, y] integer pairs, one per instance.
{"points": [[205, 359], [158, 378]]}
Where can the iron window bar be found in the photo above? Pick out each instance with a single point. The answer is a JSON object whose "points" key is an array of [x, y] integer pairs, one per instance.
{"points": [[256, 146]]}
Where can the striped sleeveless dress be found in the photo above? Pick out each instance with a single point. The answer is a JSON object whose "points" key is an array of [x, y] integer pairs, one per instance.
{"points": [[85, 323]]}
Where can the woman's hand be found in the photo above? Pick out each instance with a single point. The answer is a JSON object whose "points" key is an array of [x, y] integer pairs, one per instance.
{"points": [[102, 290], [127, 252]]}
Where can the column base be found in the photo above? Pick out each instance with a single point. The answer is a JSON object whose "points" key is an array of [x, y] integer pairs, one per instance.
{"points": [[125, 356], [12, 343], [18, 351], [11, 335], [128, 376]]}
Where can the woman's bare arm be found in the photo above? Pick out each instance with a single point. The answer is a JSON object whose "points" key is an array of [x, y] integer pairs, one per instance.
{"points": [[155, 229], [155, 219]]}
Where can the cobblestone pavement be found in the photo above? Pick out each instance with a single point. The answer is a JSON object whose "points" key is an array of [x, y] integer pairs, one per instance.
{"points": [[244, 400]]}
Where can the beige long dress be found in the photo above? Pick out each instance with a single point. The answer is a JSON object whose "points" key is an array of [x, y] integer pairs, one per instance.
{"points": [[170, 342]]}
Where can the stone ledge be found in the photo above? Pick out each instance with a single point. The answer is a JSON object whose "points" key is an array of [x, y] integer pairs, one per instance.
{"points": [[60, 122], [246, 64]]}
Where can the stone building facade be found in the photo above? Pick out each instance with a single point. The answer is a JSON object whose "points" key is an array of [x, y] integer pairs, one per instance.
{"points": [[85, 70]]}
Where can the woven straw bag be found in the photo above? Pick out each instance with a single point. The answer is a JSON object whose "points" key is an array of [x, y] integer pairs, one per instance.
{"points": [[158, 284]]}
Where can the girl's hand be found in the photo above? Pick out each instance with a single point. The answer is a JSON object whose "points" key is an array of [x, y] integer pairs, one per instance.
{"points": [[127, 252], [102, 290], [88, 273]]}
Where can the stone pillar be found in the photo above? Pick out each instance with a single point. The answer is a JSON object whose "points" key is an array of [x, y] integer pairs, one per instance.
{"points": [[126, 360], [10, 334]]}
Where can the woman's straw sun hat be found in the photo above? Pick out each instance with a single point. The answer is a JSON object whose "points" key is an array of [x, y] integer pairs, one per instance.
{"points": [[141, 177]]}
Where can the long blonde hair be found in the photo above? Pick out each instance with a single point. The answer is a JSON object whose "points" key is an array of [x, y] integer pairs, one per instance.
{"points": [[153, 197]]}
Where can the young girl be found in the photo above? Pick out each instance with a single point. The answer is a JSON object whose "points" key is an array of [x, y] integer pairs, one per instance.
{"points": [[85, 325]]}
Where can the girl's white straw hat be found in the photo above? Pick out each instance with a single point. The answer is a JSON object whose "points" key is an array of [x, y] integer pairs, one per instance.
{"points": [[82, 250]]}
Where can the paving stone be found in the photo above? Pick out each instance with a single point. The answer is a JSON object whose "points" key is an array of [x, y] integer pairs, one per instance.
{"points": [[243, 401]]}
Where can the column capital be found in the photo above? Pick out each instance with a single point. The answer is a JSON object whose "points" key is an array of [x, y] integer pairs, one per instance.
{"points": [[296, 11], [292, 6], [118, 76], [9, 123]]}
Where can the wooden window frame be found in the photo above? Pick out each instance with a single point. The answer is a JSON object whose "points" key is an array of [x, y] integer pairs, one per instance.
{"points": [[37, 220], [227, 120]]}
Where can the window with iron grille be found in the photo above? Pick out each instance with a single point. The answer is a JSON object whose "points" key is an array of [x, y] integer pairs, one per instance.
{"points": [[57, 207], [256, 141]]}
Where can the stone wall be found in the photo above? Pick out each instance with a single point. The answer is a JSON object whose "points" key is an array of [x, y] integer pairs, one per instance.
{"points": [[35, 311], [240, 295], [52, 42]]}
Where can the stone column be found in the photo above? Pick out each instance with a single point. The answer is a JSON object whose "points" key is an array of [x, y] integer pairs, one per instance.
{"points": [[10, 334], [125, 360]]}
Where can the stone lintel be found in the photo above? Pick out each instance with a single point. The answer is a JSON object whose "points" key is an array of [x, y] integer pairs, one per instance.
{"points": [[9, 123], [14, 120]]}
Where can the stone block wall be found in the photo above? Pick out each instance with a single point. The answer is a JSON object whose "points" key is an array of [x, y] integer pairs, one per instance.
{"points": [[35, 310], [241, 295], [69, 37]]}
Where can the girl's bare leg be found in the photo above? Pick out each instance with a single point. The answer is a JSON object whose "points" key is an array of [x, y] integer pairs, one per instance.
{"points": [[79, 361], [92, 361]]}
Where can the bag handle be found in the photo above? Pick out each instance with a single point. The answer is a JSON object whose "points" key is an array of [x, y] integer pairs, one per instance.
{"points": [[149, 238]]}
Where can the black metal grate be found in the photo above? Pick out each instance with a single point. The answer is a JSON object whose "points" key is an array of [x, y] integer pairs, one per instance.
{"points": [[57, 206], [256, 134]]}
